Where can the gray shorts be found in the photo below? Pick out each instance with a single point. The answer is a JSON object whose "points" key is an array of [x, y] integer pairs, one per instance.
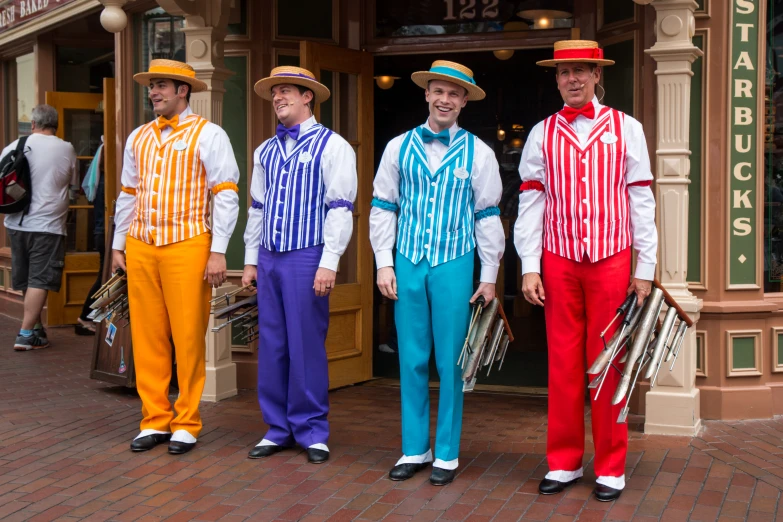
{"points": [[37, 260]]}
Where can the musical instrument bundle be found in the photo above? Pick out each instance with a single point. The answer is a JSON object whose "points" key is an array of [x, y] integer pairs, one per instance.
{"points": [[489, 335], [649, 343]]}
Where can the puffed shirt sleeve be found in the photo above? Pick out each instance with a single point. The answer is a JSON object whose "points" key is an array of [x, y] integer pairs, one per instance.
{"points": [[340, 183], [386, 200], [487, 191], [529, 228], [217, 155], [638, 178], [126, 200], [255, 214]]}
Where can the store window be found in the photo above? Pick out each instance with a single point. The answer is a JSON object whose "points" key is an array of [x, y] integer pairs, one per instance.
{"points": [[317, 24], [400, 18], [773, 150], [161, 37]]}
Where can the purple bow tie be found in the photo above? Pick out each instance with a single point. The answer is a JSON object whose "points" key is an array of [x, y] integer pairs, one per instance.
{"points": [[283, 131]]}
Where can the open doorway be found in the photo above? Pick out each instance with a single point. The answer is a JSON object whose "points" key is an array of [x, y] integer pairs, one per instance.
{"points": [[519, 95]]}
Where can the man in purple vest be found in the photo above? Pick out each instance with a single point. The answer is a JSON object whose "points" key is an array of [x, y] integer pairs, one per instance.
{"points": [[300, 222]]}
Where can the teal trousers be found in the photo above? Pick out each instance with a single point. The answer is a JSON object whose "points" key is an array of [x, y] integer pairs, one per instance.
{"points": [[433, 307]]}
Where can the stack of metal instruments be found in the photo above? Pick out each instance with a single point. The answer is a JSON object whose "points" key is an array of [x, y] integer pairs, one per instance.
{"points": [[243, 314], [111, 301], [489, 335], [649, 343]]}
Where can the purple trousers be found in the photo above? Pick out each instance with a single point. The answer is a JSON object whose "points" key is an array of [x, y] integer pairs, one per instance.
{"points": [[293, 375]]}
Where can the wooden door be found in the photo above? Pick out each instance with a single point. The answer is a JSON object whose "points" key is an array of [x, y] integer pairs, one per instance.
{"points": [[81, 124], [349, 112]]}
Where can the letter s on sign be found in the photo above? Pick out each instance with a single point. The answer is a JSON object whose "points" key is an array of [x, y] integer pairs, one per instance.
{"points": [[742, 226], [745, 6]]}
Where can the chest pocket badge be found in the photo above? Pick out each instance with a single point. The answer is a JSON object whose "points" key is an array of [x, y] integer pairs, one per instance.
{"points": [[180, 145], [608, 138], [461, 173], [305, 157]]}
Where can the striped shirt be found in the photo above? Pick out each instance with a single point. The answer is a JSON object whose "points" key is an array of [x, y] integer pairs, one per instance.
{"points": [[170, 177], [303, 192], [586, 191], [447, 200]]}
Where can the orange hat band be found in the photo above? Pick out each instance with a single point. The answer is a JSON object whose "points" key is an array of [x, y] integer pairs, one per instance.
{"points": [[576, 54], [172, 70]]}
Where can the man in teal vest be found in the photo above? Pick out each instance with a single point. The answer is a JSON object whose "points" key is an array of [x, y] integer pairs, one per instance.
{"points": [[445, 185]]}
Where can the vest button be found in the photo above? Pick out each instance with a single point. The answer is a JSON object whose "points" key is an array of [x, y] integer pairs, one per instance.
{"points": [[432, 200], [429, 231], [584, 179], [427, 247], [584, 201], [433, 183], [584, 160], [586, 240]]}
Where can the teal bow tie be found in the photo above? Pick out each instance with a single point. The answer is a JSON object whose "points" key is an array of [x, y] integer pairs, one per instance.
{"points": [[443, 136]]}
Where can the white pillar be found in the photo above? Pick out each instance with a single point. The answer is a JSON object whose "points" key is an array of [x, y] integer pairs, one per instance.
{"points": [[221, 380], [672, 406]]}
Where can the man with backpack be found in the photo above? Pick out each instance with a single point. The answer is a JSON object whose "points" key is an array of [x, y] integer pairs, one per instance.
{"points": [[37, 231]]}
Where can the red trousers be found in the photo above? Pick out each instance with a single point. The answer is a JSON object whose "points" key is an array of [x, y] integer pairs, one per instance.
{"points": [[581, 299]]}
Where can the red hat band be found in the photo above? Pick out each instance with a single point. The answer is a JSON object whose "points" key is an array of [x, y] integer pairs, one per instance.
{"points": [[580, 54]]}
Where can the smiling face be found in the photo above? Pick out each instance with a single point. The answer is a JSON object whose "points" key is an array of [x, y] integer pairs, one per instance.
{"points": [[290, 105], [446, 100], [167, 100], [576, 82]]}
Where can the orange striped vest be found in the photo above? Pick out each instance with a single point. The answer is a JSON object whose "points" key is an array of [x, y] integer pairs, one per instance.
{"points": [[172, 198]]}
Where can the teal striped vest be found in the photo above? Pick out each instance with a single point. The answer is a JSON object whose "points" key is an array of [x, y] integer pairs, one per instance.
{"points": [[436, 208]]}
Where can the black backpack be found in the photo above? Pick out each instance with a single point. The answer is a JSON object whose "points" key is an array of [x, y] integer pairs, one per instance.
{"points": [[16, 190]]}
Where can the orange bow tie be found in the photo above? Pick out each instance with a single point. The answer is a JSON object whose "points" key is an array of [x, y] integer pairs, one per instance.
{"points": [[163, 122]]}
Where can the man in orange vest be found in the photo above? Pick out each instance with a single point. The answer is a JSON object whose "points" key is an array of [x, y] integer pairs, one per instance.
{"points": [[585, 202], [172, 168]]}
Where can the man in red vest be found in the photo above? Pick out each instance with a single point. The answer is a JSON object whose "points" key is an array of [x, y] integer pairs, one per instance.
{"points": [[585, 201]]}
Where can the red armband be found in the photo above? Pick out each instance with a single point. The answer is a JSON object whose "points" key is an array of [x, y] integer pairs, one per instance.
{"points": [[645, 183], [531, 185]]}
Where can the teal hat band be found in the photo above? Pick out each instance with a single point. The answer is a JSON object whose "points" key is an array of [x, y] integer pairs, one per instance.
{"points": [[448, 71]]}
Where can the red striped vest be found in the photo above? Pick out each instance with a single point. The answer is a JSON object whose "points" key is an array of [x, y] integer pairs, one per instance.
{"points": [[587, 206]]}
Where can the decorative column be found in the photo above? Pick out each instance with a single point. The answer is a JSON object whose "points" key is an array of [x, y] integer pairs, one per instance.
{"points": [[221, 380], [206, 25], [672, 406]]}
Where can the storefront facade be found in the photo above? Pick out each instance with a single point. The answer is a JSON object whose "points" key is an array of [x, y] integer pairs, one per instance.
{"points": [[700, 77]]}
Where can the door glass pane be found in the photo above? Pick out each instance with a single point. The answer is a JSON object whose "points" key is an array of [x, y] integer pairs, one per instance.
{"points": [[618, 79], [235, 104], [25, 95], [617, 11], [339, 114]]}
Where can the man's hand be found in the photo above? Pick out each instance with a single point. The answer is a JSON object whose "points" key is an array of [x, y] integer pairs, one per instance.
{"points": [[117, 261], [642, 288], [215, 272], [387, 282], [324, 281], [533, 288], [248, 276], [487, 290]]}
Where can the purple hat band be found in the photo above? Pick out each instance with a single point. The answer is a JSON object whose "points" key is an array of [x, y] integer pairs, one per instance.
{"points": [[295, 75]]}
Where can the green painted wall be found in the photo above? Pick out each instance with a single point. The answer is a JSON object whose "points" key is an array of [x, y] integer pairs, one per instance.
{"points": [[694, 189], [235, 125], [744, 353]]}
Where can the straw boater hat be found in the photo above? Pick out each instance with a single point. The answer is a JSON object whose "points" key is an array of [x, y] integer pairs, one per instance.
{"points": [[450, 72], [577, 51], [172, 70], [292, 76]]}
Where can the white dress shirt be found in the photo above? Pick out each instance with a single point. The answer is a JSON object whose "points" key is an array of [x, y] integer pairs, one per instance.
{"points": [[487, 190], [217, 155], [338, 166], [529, 228]]}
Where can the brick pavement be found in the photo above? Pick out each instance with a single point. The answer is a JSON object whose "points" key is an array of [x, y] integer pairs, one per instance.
{"points": [[64, 456]]}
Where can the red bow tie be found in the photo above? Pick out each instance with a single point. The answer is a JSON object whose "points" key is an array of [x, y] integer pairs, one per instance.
{"points": [[570, 114]]}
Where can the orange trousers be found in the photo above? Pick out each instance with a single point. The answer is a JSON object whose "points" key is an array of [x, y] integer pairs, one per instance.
{"points": [[169, 298]]}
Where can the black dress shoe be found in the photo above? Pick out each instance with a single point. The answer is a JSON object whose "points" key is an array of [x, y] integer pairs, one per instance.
{"points": [[606, 494], [150, 441], [317, 456], [406, 471], [552, 487], [178, 448], [441, 477], [259, 452]]}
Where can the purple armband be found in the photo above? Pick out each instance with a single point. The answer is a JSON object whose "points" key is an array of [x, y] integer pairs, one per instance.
{"points": [[341, 203], [257, 204]]}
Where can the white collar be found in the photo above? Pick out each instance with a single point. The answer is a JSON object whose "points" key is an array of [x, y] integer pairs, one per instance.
{"points": [[452, 130]]}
